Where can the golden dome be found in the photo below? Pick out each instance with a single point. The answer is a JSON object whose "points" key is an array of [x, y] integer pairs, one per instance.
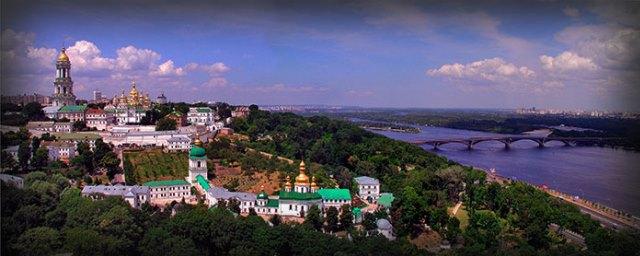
{"points": [[302, 177], [313, 182], [288, 183], [63, 55], [197, 140], [134, 91]]}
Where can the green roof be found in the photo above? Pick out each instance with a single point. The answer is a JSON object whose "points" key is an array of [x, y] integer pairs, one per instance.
{"points": [[164, 183], [197, 152], [335, 193], [386, 199], [75, 108], [203, 182], [203, 110], [357, 212], [273, 203], [298, 196], [263, 195]]}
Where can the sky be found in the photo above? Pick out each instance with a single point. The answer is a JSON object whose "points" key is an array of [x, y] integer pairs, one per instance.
{"points": [[431, 54]]}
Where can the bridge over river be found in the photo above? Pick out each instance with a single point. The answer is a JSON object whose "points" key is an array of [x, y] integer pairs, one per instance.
{"points": [[508, 139]]}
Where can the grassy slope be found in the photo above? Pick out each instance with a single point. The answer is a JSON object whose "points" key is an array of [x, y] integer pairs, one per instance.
{"points": [[156, 165]]}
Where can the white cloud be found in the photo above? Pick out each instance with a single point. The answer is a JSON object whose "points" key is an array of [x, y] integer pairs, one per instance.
{"points": [[167, 68], [86, 56], [495, 69], [567, 61], [132, 58], [215, 82], [608, 46], [571, 12], [33, 67]]}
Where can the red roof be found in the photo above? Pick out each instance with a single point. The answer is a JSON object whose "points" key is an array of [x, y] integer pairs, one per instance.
{"points": [[96, 111]]}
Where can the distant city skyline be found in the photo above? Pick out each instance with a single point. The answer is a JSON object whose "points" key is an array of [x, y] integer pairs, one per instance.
{"points": [[555, 55]]}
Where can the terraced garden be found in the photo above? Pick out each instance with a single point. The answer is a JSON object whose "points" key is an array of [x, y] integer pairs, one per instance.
{"points": [[143, 166]]}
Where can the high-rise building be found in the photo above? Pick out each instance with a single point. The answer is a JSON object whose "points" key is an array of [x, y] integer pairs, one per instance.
{"points": [[97, 95], [63, 85]]}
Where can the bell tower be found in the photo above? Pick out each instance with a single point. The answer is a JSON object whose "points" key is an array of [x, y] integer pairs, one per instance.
{"points": [[63, 85], [197, 160]]}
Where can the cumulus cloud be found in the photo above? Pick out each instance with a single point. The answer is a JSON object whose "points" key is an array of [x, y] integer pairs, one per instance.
{"points": [[32, 67], [567, 61], [495, 69], [609, 46], [86, 56], [167, 68], [131, 58]]}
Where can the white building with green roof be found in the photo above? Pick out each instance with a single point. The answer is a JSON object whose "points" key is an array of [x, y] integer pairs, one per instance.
{"points": [[336, 197], [201, 116], [72, 112], [163, 190]]}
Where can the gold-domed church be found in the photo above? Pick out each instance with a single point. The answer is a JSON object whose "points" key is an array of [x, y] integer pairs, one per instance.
{"points": [[129, 109], [135, 98]]}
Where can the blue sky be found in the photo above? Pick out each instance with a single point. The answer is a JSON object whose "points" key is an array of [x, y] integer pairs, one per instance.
{"points": [[384, 54]]}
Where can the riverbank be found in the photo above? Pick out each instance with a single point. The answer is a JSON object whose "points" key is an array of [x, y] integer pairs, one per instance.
{"points": [[607, 216], [603, 175]]}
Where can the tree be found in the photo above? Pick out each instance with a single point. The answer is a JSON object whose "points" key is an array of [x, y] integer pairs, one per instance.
{"points": [[38, 241], [35, 144], [234, 205], [166, 124], [47, 137], [85, 157], [40, 158], [369, 221], [332, 219], [8, 162], [453, 229], [252, 212], [110, 162], [346, 217], [158, 241], [24, 154], [33, 111], [79, 125], [101, 149], [314, 218], [275, 220]]}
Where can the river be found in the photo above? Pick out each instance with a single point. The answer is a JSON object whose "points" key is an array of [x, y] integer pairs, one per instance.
{"points": [[604, 175]]}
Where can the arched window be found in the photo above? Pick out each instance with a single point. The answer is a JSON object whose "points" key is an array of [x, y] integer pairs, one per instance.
{"points": [[198, 163]]}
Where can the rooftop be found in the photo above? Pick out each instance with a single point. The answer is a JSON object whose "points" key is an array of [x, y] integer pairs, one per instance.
{"points": [[203, 182], [335, 194], [76, 136], [74, 108], [95, 111], [365, 180], [384, 224], [386, 199], [166, 183], [197, 152], [223, 193], [117, 190], [200, 109], [298, 196], [179, 139], [273, 203]]}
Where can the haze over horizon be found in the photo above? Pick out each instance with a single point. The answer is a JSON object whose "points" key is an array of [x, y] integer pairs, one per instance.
{"points": [[564, 55]]}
